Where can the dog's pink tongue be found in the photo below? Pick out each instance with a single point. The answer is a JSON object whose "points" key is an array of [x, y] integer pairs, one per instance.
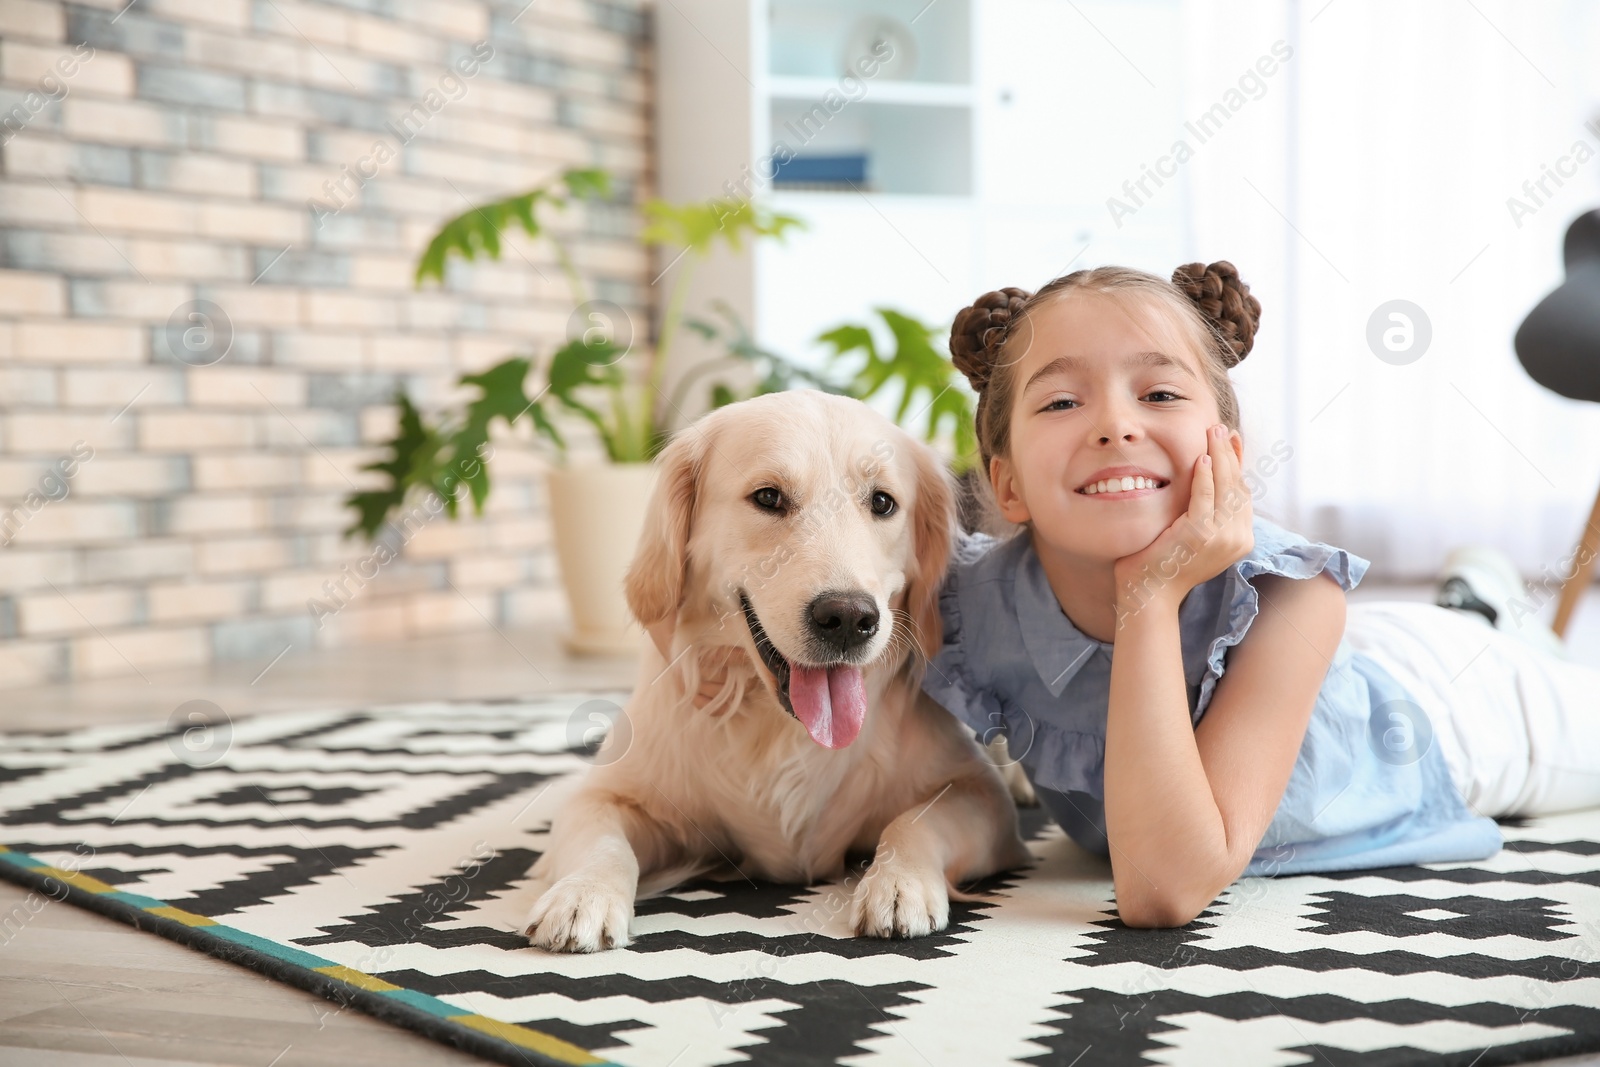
{"points": [[830, 702]]}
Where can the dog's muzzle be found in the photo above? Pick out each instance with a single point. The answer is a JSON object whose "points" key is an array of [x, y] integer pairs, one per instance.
{"points": [[830, 701]]}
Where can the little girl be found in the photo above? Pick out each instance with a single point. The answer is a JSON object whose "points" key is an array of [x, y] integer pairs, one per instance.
{"points": [[1182, 682]]}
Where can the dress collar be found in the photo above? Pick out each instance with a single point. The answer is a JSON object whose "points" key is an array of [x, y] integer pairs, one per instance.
{"points": [[1057, 648]]}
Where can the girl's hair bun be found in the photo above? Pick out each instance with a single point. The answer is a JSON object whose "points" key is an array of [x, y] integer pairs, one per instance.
{"points": [[1225, 302], [978, 331]]}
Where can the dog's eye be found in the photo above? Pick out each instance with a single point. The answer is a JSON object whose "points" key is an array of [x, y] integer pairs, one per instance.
{"points": [[882, 503], [768, 498]]}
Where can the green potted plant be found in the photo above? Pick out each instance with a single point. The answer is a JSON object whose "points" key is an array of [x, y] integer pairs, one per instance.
{"points": [[595, 378]]}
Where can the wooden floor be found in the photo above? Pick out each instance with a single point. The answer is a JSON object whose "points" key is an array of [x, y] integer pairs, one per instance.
{"points": [[80, 989]]}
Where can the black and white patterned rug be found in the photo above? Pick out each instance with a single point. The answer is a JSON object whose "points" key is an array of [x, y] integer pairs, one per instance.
{"points": [[378, 857]]}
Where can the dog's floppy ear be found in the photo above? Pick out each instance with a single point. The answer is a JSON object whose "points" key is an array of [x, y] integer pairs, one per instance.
{"points": [[654, 580], [933, 525]]}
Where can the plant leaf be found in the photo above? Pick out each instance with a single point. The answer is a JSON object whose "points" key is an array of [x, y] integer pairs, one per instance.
{"points": [[413, 447], [500, 395], [849, 338], [924, 374], [587, 182], [698, 224], [578, 363], [707, 331], [477, 230]]}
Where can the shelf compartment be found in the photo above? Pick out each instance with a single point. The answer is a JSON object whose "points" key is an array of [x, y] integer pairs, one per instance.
{"points": [[810, 38], [909, 148]]}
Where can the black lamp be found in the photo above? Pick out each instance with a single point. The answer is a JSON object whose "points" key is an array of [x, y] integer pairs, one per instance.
{"points": [[1559, 346]]}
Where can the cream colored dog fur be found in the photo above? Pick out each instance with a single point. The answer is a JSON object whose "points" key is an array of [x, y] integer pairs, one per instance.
{"points": [[740, 784]]}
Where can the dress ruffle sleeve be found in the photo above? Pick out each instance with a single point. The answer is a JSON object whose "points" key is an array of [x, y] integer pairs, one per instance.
{"points": [[974, 674], [949, 678], [1276, 551]]}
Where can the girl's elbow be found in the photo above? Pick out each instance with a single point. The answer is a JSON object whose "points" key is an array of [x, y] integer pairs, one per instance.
{"points": [[1155, 909], [1158, 914], [1180, 900]]}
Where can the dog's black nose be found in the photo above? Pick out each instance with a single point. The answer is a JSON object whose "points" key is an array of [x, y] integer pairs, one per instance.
{"points": [[844, 620]]}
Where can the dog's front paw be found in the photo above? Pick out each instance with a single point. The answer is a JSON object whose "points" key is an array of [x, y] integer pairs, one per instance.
{"points": [[900, 900], [579, 915]]}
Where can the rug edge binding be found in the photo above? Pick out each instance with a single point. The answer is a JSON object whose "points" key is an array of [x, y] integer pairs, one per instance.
{"points": [[385, 1009]]}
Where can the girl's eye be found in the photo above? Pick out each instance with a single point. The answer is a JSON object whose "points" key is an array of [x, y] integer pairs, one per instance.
{"points": [[767, 498], [1052, 406], [1167, 393], [883, 504]]}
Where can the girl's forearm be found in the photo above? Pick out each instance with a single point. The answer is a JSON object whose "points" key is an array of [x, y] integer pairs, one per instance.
{"points": [[1169, 842]]}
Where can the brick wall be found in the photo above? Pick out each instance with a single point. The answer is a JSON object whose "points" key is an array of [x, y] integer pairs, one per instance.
{"points": [[161, 506]]}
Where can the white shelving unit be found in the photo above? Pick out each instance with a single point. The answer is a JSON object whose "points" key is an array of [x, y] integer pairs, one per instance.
{"points": [[991, 139], [737, 80]]}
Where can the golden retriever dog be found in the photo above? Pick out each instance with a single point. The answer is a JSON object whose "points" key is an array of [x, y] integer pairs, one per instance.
{"points": [[795, 542]]}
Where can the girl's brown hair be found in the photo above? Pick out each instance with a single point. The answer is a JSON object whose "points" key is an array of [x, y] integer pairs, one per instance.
{"points": [[1212, 305]]}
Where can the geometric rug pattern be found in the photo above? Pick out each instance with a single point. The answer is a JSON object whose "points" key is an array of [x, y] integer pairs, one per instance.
{"points": [[378, 857]]}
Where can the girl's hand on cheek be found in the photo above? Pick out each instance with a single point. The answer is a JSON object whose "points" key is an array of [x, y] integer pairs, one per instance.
{"points": [[1212, 534]]}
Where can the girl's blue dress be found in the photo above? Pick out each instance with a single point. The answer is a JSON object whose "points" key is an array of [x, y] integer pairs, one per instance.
{"points": [[1369, 787]]}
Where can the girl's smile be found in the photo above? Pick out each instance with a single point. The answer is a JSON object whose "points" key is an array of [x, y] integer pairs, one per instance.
{"points": [[1123, 483]]}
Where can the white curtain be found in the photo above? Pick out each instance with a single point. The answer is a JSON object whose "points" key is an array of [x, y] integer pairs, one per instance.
{"points": [[1376, 166]]}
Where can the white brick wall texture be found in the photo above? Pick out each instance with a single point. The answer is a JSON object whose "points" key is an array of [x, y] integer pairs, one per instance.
{"points": [[160, 510]]}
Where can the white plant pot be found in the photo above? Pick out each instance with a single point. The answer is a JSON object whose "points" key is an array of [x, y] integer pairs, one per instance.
{"points": [[596, 514]]}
